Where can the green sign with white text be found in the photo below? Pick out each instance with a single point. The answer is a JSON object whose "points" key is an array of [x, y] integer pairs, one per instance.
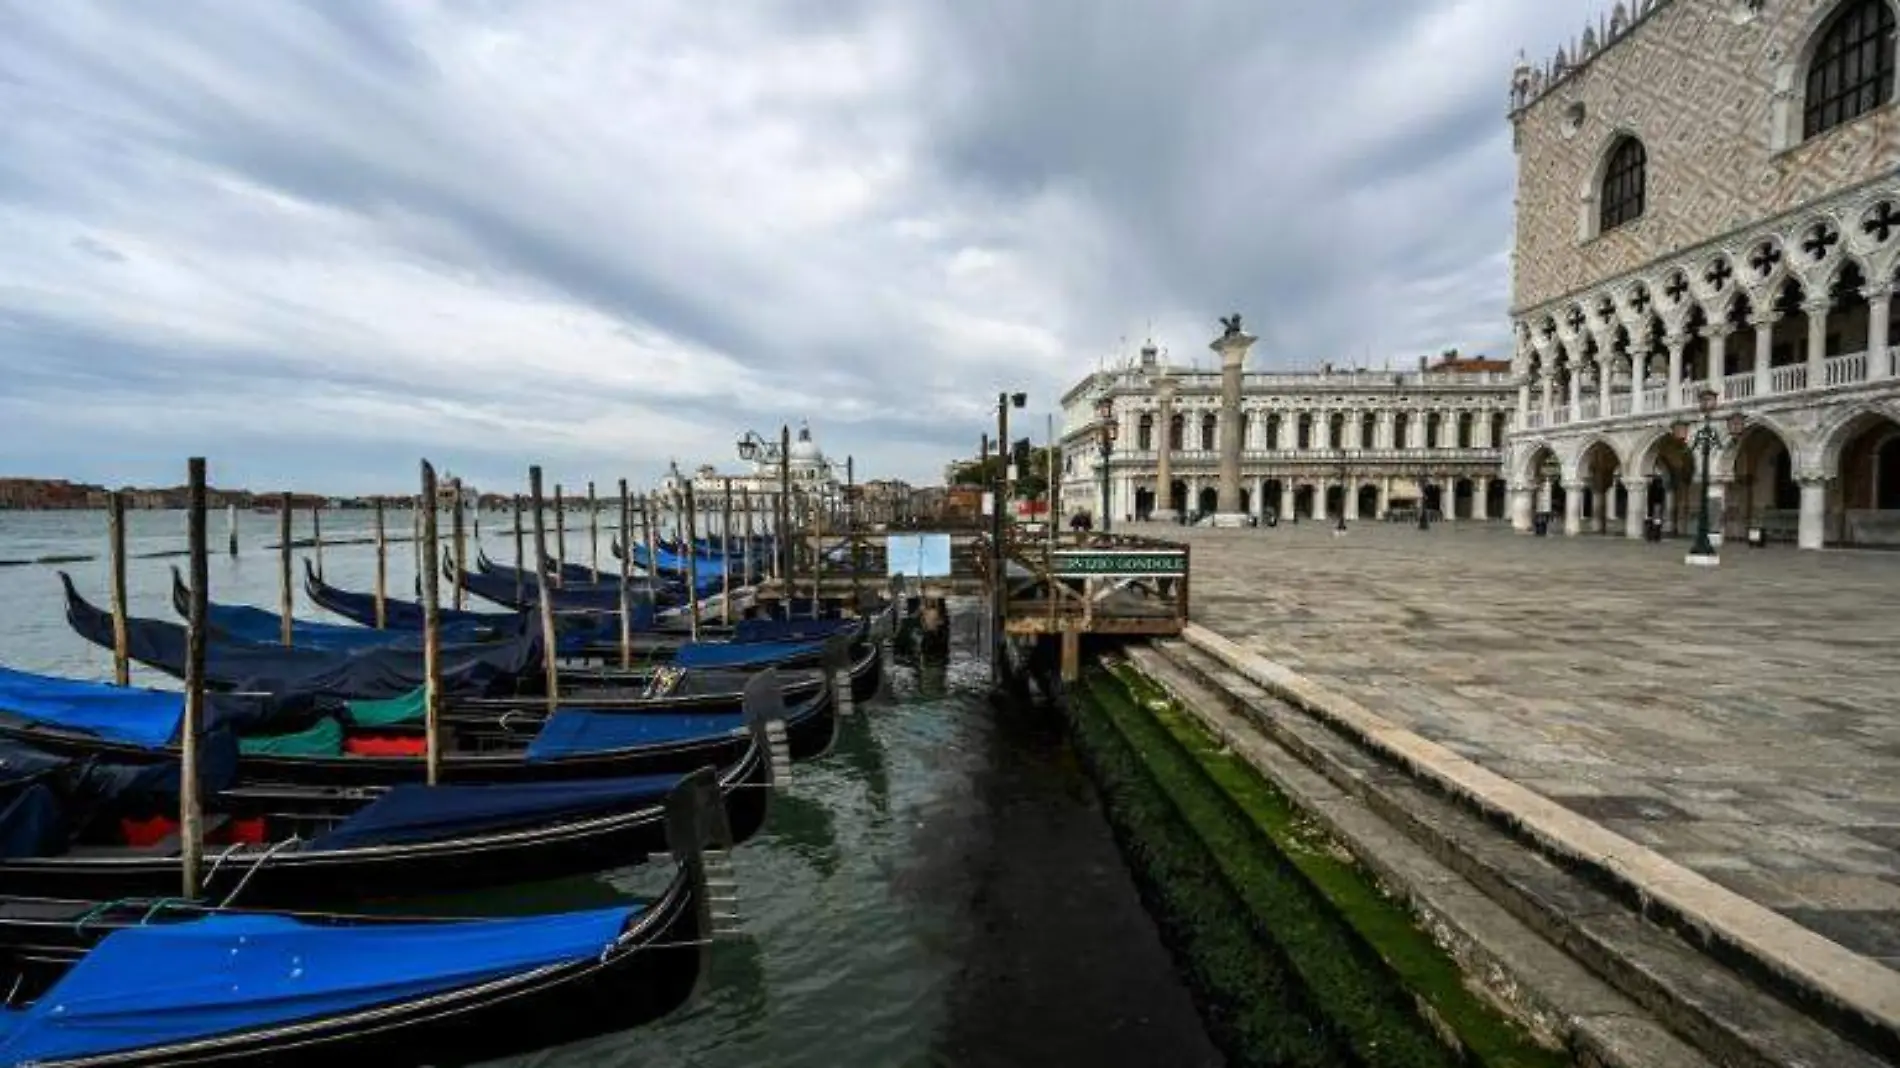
{"points": [[1126, 563]]}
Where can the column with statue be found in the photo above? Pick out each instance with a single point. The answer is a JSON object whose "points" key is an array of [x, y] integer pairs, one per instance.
{"points": [[1232, 346], [1164, 453]]}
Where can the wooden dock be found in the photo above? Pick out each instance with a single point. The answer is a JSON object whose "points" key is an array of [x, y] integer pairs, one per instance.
{"points": [[1072, 585]]}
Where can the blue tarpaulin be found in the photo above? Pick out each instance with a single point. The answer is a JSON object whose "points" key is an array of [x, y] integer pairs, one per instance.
{"points": [[147, 718], [413, 812], [571, 732], [744, 654], [782, 630], [224, 973]]}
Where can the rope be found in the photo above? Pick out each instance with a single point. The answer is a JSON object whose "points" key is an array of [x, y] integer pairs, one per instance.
{"points": [[255, 865]]}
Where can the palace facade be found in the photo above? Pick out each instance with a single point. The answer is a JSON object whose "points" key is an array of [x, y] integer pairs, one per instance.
{"points": [[1314, 444], [1709, 203]]}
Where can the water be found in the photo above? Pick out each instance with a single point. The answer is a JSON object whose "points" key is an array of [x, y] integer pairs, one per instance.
{"points": [[940, 890]]}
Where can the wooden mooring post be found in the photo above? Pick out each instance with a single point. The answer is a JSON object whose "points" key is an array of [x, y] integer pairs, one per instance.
{"points": [[692, 557], [626, 586], [545, 592], [115, 543], [460, 532], [652, 540], [520, 562], [285, 603], [725, 556], [316, 538], [382, 569], [230, 524], [560, 541], [431, 636], [593, 533], [191, 725]]}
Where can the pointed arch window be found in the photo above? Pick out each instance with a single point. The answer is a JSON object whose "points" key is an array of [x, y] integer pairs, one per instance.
{"points": [[1852, 70], [1625, 184]]}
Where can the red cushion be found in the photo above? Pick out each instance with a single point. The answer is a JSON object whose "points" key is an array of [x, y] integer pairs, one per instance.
{"points": [[385, 745], [147, 832]]}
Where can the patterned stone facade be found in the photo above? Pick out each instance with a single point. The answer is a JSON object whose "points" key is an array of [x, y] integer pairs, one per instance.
{"points": [[1761, 274], [1714, 90]]}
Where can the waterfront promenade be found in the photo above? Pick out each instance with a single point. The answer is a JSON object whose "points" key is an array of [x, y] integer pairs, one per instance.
{"points": [[1742, 722]]}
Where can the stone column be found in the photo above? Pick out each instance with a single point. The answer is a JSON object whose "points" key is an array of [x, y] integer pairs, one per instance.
{"points": [[1606, 363], [1817, 342], [1764, 348], [1385, 497], [1672, 392], [1286, 499], [1480, 492], [1164, 454], [1717, 336], [1319, 498], [1879, 308], [1232, 347], [1575, 364], [1550, 387], [1639, 373], [1812, 532], [1638, 490], [1523, 404], [1573, 508], [1349, 500], [1521, 507]]}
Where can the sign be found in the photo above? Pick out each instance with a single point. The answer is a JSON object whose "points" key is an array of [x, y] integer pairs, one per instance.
{"points": [[917, 555], [1119, 563]]}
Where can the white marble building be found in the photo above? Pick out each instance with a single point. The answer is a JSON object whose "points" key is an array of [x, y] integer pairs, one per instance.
{"points": [[812, 475], [1709, 199], [1313, 443]]}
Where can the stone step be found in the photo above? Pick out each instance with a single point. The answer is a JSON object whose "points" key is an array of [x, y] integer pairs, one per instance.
{"points": [[1548, 943]]}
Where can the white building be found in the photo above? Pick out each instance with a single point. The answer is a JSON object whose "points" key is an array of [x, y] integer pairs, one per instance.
{"points": [[812, 475], [1709, 199], [1313, 443]]}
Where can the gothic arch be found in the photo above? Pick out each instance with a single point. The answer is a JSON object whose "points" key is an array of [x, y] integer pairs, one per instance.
{"points": [[1573, 464], [1824, 454], [1722, 460], [1644, 450], [1791, 78], [1590, 197], [1525, 454]]}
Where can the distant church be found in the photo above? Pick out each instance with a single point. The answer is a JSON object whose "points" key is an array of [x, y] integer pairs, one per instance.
{"points": [[1709, 200]]}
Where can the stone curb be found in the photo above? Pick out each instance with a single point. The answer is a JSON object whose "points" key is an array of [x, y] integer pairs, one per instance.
{"points": [[1852, 992]]}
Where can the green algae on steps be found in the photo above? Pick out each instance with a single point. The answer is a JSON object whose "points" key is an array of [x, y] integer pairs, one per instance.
{"points": [[1254, 1006], [1386, 983]]}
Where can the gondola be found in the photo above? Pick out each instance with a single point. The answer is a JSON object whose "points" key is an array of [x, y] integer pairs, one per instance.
{"points": [[135, 727], [85, 829], [304, 675], [259, 626], [160, 983], [568, 572], [398, 614]]}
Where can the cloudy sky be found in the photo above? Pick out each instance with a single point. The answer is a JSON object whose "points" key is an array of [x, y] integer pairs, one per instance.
{"points": [[315, 241]]}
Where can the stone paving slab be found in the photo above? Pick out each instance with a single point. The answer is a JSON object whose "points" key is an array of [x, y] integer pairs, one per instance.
{"points": [[1741, 721]]}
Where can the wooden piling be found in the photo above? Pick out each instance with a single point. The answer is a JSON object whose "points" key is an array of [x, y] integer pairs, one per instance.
{"points": [[382, 569], [725, 555], [191, 828], [115, 545], [626, 587], [520, 562], [316, 537], [560, 540], [230, 525], [431, 636], [285, 603], [593, 533], [817, 553], [692, 559], [653, 554], [460, 533], [851, 531], [545, 592], [745, 499]]}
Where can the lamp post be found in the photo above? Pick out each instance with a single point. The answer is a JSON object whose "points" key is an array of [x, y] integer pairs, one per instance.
{"points": [[754, 449], [1105, 432], [1706, 438]]}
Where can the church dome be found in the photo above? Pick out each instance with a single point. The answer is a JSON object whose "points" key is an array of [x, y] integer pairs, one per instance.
{"points": [[805, 450]]}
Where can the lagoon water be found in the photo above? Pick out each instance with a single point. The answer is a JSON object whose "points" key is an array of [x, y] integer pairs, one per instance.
{"points": [[939, 890]]}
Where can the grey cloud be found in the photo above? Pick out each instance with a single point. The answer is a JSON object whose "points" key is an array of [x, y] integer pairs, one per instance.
{"points": [[1171, 161]]}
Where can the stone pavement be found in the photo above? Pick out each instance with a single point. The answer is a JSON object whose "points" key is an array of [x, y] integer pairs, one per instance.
{"points": [[1742, 721]]}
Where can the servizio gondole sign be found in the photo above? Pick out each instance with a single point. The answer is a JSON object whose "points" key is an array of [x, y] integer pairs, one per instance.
{"points": [[1118, 563]]}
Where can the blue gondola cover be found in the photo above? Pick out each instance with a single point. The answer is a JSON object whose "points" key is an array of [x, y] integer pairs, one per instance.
{"points": [[744, 654], [413, 812], [225, 973], [573, 732], [146, 718]]}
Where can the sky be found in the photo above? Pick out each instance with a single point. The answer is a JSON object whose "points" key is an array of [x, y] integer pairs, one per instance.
{"points": [[316, 242]]}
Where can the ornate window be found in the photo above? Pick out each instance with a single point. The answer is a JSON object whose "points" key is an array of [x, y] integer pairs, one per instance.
{"points": [[1174, 432], [1624, 184], [1336, 432], [1852, 70], [1145, 433], [1207, 432]]}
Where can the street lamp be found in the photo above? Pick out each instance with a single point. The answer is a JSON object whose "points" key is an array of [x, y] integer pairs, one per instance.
{"points": [[1706, 437], [1106, 430], [752, 449]]}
